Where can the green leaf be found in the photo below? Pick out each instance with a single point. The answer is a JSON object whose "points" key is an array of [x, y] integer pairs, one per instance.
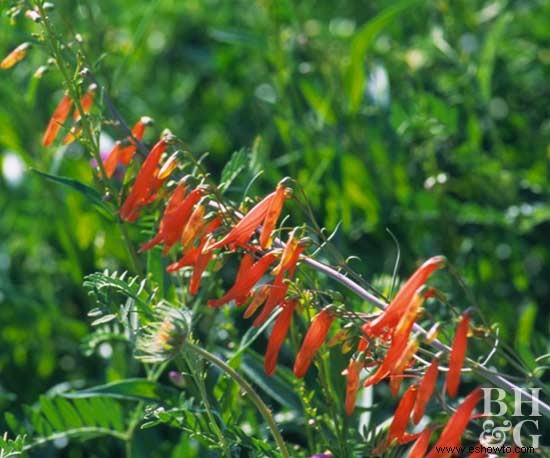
{"points": [[89, 193], [274, 386], [524, 332], [319, 103], [136, 389], [361, 44], [233, 168]]}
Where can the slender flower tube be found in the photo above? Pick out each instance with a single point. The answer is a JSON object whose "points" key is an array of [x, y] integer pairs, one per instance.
{"points": [[396, 374], [353, 372], [59, 116], [425, 390], [458, 353], [203, 258], [123, 154], [393, 312], [146, 184], [259, 297], [272, 215], [192, 227], [313, 339], [86, 101], [278, 335], [420, 447], [243, 230], [242, 287], [452, 433], [287, 265], [17, 55], [402, 415]]}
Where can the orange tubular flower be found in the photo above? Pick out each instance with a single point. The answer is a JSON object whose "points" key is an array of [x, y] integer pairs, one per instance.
{"points": [[59, 116], [174, 218], [243, 230], [202, 260], [512, 454], [244, 284], [17, 55], [146, 184], [458, 352], [352, 385], [392, 314], [402, 415], [278, 335], [86, 102], [396, 374], [124, 154], [289, 259], [425, 390], [192, 227], [394, 353], [313, 339], [451, 434], [272, 215], [258, 299], [420, 447]]}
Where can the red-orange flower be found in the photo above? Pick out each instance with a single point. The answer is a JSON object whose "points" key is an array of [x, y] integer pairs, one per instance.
{"points": [[452, 433], [243, 230], [396, 374], [420, 447], [17, 55], [123, 154], [425, 390], [197, 258], [399, 342], [59, 116], [313, 339], [146, 185], [458, 352], [402, 415], [512, 454], [278, 335], [353, 372], [203, 258], [390, 317], [279, 288], [272, 215], [175, 216], [244, 283], [259, 297], [86, 101]]}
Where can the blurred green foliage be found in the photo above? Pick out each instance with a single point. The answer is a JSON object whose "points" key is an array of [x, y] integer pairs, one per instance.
{"points": [[427, 118]]}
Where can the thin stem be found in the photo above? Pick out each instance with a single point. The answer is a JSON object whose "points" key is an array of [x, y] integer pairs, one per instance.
{"points": [[245, 386], [204, 395]]}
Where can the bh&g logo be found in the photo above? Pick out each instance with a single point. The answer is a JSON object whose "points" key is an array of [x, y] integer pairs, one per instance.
{"points": [[494, 406]]}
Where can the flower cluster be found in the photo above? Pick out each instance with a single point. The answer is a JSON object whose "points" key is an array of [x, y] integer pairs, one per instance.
{"points": [[204, 230]]}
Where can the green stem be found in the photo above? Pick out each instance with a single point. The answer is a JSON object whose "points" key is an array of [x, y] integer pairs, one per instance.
{"points": [[246, 387], [204, 395]]}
